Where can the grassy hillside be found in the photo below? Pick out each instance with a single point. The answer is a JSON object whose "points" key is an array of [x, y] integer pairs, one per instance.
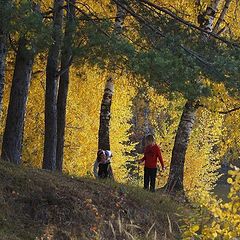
{"points": [[36, 204]]}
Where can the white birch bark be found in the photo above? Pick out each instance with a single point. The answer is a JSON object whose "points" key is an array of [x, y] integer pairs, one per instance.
{"points": [[176, 174], [105, 112]]}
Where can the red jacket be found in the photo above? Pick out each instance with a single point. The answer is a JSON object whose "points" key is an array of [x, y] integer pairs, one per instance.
{"points": [[151, 154]]}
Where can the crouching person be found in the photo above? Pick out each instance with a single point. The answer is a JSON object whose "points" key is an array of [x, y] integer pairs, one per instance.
{"points": [[102, 166]]}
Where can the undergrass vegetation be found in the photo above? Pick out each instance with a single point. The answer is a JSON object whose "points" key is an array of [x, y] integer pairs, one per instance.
{"points": [[37, 204]]}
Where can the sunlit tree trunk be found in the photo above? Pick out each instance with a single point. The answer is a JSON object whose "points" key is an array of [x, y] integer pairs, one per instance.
{"points": [[13, 133], [64, 81], [175, 180], [176, 174], [105, 112], [50, 140]]}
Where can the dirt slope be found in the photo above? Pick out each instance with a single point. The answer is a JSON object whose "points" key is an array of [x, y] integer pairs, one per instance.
{"points": [[37, 204]]}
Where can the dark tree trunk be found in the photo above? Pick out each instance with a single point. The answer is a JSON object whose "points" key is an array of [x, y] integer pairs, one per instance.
{"points": [[3, 47], [105, 112], [64, 81], [175, 180], [13, 133], [50, 140]]}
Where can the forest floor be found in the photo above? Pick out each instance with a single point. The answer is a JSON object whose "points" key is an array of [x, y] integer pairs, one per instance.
{"points": [[39, 205]]}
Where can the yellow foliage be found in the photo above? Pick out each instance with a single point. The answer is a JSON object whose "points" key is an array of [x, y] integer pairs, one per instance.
{"points": [[83, 109], [202, 157], [216, 220]]}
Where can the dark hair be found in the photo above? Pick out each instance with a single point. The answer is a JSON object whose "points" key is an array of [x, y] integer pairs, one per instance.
{"points": [[99, 153], [149, 139]]}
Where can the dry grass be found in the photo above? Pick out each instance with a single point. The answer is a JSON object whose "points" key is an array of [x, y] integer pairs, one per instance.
{"points": [[39, 205]]}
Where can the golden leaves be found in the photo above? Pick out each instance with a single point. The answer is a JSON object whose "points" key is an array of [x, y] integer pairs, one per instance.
{"points": [[219, 220]]}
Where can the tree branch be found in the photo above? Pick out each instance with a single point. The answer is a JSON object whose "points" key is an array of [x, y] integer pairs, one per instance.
{"points": [[229, 111], [158, 32], [170, 13], [220, 112]]}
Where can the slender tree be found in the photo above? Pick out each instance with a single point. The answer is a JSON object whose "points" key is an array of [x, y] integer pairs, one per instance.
{"points": [[50, 140], [175, 180], [105, 112], [13, 133], [66, 60]]}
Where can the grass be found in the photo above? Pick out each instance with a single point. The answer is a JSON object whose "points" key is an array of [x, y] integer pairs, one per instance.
{"points": [[38, 205]]}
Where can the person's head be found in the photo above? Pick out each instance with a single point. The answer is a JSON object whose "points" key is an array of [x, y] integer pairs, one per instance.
{"points": [[100, 155], [149, 140]]}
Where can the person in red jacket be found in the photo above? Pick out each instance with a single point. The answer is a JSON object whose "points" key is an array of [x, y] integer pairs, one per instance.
{"points": [[152, 153]]}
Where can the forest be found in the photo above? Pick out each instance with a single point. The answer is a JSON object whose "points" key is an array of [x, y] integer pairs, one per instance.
{"points": [[77, 76]]}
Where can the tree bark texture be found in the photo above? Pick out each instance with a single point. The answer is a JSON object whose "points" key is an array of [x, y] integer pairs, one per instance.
{"points": [[64, 81], [50, 140], [105, 112], [206, 20], [103, 139], [13, 133], [176, 174], [175, 180]]}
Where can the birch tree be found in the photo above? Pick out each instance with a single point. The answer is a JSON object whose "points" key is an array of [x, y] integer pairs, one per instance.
{"points": [[176, 174], [105, 112]]}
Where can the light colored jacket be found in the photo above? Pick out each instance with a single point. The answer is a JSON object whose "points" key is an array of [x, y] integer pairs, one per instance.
{"points": [[108, 160], [95, 169]]}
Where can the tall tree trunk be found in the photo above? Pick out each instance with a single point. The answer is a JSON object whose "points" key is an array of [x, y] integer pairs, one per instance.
{"points": [[3, 46], [50, 140], [175, 180], [64, 81], [13, 133], [176, 174], [103, 133], [105, 112]]}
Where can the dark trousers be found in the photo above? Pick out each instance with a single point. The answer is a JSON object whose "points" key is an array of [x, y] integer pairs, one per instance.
{"points": [[150, 176], [103, 170]]}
